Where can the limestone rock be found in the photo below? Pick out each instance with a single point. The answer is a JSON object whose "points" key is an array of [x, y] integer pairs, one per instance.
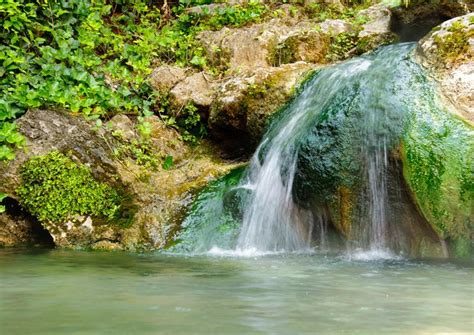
{"points": [[336, 27], [46, 131], [17, 230], [244, 104], [243, 49], [165, 77], [123, 127], [197, 89], [379, 17], [448, 53]]}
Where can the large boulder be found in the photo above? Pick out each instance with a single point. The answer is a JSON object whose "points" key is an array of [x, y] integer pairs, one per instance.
{"points": [[197, 89], [245, 49], [349, 162], [117, 156]]}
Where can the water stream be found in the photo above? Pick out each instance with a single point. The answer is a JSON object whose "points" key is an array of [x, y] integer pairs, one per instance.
{"points": [[271, 219]]}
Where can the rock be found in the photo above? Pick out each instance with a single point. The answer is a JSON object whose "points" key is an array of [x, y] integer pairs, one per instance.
{"points": [[123, 127], [306, 46], [18, 228], [158, 197], [244, 104], [379, 17], [46, 131], [106, 245], [15, 231], [165, 77], [448, 53], [197, 89], [243, 49], [438, 146], [336, 27]]}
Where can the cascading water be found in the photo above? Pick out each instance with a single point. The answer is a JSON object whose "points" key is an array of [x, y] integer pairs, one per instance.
{"points": [[328, 163], [272, 220]]}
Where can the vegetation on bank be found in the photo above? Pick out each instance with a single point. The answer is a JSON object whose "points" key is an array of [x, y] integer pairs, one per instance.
{"points": [[93, 57], [55, 189]]}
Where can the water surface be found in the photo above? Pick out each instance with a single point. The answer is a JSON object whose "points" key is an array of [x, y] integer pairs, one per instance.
{"points": [[66, 292]]}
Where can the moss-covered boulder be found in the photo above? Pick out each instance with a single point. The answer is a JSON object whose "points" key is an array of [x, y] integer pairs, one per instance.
{"points": [[349, 162], [438, 141]]}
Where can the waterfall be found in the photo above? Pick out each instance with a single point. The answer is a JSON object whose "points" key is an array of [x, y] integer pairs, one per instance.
{"points": [[327, 156], [272, 219]]}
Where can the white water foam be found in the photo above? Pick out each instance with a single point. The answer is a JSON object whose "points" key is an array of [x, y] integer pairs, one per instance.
{"points": [[371, 255], [253, 252]]}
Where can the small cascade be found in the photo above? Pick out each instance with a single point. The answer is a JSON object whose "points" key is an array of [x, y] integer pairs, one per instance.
{"points": [[272, 220], [326, 169]]}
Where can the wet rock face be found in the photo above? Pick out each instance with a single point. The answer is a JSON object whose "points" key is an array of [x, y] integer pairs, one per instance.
{"points": [[448, 53], [157, 197]]}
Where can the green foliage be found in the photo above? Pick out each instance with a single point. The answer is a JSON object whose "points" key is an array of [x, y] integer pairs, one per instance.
{"points": [[93, 56], [2, 197], [168, 163], [190, 121], [140, 150], [54, 188], [83, 56], [349, 12], [9, 139], [177, 40], [455, 44], [342, 45]]}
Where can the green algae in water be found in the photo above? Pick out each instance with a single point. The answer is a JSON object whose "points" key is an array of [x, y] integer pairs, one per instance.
{"points": [[214, 217]]}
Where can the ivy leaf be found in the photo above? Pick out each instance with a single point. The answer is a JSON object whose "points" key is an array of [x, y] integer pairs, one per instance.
{"points": [[6, 153]]}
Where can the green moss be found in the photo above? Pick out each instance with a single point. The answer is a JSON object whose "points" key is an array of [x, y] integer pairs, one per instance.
{"points": [[455, 44], [54, 188], [437, 153]]}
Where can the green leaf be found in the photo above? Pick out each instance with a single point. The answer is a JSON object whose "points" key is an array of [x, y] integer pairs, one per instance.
{"points": [[168, 163]]}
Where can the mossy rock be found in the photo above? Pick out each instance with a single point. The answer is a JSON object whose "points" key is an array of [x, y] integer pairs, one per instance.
{"points": [[214, 216], [55, 188], [438, 155]]}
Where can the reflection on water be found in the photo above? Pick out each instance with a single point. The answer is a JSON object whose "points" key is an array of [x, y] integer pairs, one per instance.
{"points": [[59, 292]]}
